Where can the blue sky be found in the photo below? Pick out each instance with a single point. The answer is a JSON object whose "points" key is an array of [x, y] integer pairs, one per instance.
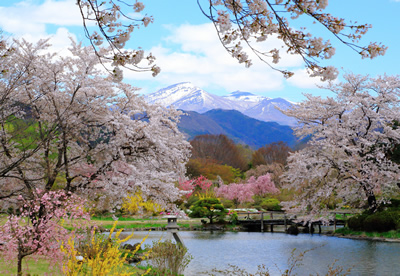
{"points": [[187, 47]]}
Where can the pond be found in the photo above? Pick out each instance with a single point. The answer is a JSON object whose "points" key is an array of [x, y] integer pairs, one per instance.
{"points": [[247, 250]]}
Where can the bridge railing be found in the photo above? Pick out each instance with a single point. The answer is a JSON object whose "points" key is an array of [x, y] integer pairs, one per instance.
{"points": [[280, 217]]}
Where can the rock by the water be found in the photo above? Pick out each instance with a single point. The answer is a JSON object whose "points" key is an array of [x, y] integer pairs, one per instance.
{"points": [[130, 247], [293, 230]]}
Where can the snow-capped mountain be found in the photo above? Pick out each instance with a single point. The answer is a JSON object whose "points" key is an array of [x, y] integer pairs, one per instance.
{"points": [[244, 96], [266, 109], [187, 96]]}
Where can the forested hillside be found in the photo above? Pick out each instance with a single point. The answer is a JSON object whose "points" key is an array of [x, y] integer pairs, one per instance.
{"points": [[240, 128]]}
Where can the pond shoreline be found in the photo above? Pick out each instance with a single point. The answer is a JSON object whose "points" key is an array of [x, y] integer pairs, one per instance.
{"points": [[241, 229], [360, 237]]}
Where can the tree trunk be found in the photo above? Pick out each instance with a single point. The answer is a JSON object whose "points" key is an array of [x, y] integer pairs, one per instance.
{"points": [[19, 266], [372, 205], [372, 202]]}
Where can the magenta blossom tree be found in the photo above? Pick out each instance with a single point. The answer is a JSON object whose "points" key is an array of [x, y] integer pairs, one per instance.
{"points": [[201, 184]]}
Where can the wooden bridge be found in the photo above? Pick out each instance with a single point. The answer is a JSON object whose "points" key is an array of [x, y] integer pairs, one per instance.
{"points": [[264, 220]]}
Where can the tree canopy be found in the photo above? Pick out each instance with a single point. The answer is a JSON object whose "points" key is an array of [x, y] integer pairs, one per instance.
{"points": [[219, 148], [64, 125], [239, 24], [353, 136]]}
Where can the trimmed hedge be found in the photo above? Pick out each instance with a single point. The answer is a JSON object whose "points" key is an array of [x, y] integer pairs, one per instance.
{"points": [[356, 223], [271, 204], [382, 221]]}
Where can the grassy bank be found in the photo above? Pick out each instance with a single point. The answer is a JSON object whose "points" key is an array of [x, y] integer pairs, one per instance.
{"points": [[142, 223], [394, 234]]}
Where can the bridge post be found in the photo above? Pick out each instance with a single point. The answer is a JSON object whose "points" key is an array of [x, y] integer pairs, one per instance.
{"points": [[285, 222], [272, 226], [262, 222], [334, 221]]}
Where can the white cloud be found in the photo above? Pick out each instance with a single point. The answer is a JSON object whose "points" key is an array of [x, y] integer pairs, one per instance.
{"points": [[29, 21], [189, 53], [302, 80], [200, 58], [27, 18]]}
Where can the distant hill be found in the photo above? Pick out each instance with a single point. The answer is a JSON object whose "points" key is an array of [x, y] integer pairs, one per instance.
{"points": [[237, 126]]}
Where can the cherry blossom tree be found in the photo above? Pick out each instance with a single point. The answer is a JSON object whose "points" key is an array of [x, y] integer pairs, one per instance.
{"points": [[112, 28], [243, 192], [63, 124], [237, 23], [275, 170], [353, 136], [66, 127], [262, 185], [238, 193]]}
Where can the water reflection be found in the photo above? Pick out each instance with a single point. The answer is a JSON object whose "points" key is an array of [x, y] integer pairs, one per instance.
{"points": [[249, 249]]}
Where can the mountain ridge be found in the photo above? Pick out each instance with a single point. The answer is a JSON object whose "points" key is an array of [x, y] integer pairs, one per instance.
{"points": [[188, 97]]}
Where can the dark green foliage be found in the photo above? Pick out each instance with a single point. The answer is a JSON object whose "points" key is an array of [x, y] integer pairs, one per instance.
{"points": [[210, 208], [381, 221], [233, 218], [271, 204], [394, 202], [227, 203], [356, 223], [190, 201]]}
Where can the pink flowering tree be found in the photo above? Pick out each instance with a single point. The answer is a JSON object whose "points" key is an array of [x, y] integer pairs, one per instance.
{"points": [[200, 184], [238, 193], [241, 193], [262, 185], [38, 228]]}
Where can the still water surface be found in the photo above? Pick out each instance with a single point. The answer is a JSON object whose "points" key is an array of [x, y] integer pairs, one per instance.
{"points": [[247, 250]]}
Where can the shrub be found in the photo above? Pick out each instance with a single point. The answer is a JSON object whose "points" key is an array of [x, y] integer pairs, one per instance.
{"points": [[233, 217], [227, 203], [271, 204], [98, 254], [394, 202], [169, 258], [356, 223], [190, 201], [210, 208], [381, 221]]}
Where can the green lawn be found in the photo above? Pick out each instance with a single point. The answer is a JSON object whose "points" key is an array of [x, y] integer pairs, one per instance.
{"points": [[388, 235], [29, 266]]}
